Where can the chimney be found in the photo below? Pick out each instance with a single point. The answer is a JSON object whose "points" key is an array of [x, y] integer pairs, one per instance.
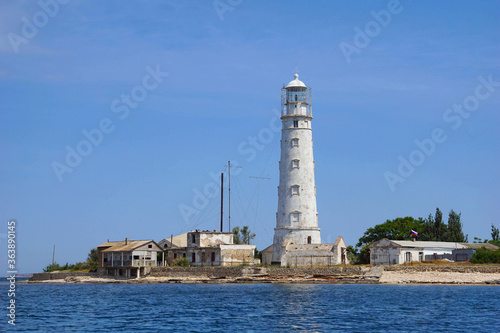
{"points": [[126, 241], [413, 239]]}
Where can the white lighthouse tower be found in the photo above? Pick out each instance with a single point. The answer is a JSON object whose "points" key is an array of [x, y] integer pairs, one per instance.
{"points": [[297, 217]]}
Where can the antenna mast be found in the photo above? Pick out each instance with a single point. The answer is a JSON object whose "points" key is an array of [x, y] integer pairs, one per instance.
{"points": [[229, 213], [229, 204]]}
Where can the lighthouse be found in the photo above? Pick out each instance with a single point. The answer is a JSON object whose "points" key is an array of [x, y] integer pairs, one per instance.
{"points": [[297, 216]]}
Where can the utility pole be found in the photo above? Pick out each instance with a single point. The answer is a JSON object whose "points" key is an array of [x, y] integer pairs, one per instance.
{"points": [[53, 254], [221, 201]]}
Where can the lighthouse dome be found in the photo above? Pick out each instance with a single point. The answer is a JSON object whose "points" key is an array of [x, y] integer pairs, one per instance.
{"points": [[296, 82]]}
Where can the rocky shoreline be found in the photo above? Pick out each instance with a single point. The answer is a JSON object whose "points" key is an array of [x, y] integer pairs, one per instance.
{"points": [[482, 275]]}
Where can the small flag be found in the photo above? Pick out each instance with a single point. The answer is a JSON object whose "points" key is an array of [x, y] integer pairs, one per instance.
{"points": [[414, 233]]}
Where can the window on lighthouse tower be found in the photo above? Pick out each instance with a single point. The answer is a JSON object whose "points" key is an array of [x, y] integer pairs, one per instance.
{"points": [[295, 190], [295, 123], [295, 164], [295, 218], [295, 142]]}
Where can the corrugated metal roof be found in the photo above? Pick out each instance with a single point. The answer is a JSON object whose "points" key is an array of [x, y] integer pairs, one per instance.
{"points": [[431, 244], [480, 245]]}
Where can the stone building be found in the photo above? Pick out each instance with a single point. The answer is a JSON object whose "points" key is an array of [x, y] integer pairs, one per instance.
{"points": [[212, 248], [177, 241], [300, 255], [128, 258], [297, 217]]}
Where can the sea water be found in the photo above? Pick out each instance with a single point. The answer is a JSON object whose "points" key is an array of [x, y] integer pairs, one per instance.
{"points": [[252, 308]]}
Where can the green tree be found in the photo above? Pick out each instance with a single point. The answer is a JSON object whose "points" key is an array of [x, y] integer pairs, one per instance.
{"points": [[246, 235], [494, 233], [477, 240], [243, 236], [397, 229], [454, 229], [427, 233], [236, 235], [92, 260], [93, 255], [257, 254], [364, 255], [352, 255], [439, 229]]}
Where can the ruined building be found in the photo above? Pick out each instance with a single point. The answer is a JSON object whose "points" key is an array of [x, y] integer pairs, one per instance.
{"points": [[129, 258], [210, 248]]}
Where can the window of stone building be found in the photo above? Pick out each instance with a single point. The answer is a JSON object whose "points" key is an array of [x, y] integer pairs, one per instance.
{"points": [[175, 255], [295, 142], [184, 255], [150, 246], [295, 164], [295, 123], [295, 217], [193, 257], [213, 256], [295, 190], [193, 238], [309, 239]]}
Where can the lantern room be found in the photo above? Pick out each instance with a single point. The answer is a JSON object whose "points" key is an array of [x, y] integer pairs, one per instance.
{"points": [[296, 99]]}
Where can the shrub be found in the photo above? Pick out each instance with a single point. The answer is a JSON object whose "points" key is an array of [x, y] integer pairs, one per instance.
{"points": [[90, 265], [485, 256], [79, 266], [181, 262], [257, 254], [52, 267]]}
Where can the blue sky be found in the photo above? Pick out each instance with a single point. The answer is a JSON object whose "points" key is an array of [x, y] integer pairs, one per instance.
{"points": [[223, 83]]}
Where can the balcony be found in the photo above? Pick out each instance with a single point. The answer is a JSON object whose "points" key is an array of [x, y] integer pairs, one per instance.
{"points": [[131, 263], [300, 109]]}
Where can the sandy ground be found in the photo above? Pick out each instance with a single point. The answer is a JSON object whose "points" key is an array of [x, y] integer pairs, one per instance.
{"points": [[437, 277]]}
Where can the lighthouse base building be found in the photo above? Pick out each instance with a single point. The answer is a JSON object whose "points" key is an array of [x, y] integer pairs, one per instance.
{"points": [[301, 255], [297, 238]]}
